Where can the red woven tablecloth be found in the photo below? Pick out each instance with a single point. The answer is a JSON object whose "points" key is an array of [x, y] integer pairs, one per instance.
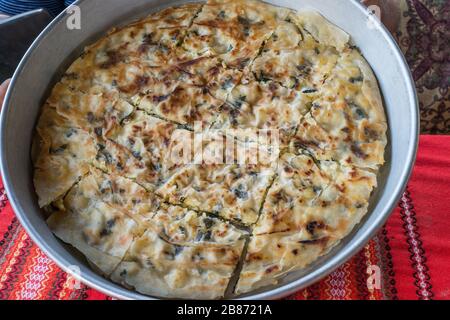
{"points": [[412, 250]]}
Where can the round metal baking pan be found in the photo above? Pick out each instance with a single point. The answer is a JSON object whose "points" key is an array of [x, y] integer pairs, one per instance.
{"points": [[58, 45]]}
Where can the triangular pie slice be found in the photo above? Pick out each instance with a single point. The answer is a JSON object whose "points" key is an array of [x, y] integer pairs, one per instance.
{"points": [[347, 122], [207, 248], [186, 105], [270, 256], [264, 107], [233, 31], [230, 179], [103, 233], [308, 209], [320, 198], [96, 112], [63, 153], [160, 268]]}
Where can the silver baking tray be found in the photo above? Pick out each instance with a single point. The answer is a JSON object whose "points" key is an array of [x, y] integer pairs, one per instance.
{"points": [[57, 46]]}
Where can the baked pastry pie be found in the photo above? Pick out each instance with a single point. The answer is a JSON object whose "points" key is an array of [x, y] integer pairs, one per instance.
{"points": [[117, 164]]}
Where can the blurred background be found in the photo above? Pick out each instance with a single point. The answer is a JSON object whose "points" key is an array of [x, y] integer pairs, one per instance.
{"points": [[20, 23], [14, 7]]}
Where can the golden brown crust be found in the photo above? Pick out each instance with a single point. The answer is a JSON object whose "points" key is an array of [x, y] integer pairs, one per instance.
{"points": [[185, 105], [271, 256], [320, 199], [263, 106], [112, 134], [101, 232], [233, 191], [152, 266], [371, 89], [346, 122], [64, 155], [321, 29]]}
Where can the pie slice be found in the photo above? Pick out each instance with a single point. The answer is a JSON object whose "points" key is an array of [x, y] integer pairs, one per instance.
{"points": [[230, 11], [316, 201], [143, 149], [286, 36], [229, 180], [114, 158], [122, 194], [347, 123], [152, 266], [264, 107], [152, 41], [143, 42], [212, 74], [234, 31], [232, 191], [101, 73], [96, 113], [103, 233], [63, 154], [301, 52], [307, 211], [271, 256], [320, 28], [98, 71], [147, 138], [183, 226], [303, 68], [175, 17], [186, 105]]}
